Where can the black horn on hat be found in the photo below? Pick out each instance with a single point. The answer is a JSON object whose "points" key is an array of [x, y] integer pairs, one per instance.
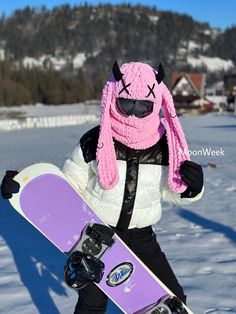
{"points": [[161, 74], [116, 72]]}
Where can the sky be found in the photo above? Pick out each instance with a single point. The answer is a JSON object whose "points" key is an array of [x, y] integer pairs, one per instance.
{"points": [[217, 13]]}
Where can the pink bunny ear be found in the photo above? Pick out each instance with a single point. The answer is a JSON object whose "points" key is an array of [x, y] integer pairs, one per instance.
{"points": [[106, 156], [177, 145]]}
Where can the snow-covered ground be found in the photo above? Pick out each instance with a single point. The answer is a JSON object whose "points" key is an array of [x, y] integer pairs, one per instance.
{"points": [[199, 240], [43, 116]]}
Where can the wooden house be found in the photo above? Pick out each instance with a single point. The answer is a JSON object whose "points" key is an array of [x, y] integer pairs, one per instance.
{"points": [[188, 90]]}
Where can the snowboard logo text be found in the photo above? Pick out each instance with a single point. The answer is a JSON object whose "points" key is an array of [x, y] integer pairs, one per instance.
{"points": [[119, 274]]}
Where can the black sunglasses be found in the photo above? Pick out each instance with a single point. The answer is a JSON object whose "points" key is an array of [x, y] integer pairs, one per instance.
{"points": [[138, 108]]}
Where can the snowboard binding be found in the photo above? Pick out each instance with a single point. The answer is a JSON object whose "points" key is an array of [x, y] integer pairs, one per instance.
{"points": [[84, 265], [166, 305], [81, 269]]}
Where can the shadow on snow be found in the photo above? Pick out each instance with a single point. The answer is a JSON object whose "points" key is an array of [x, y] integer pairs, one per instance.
{"points": [[39, 263], [223, 126], [228, 232]]}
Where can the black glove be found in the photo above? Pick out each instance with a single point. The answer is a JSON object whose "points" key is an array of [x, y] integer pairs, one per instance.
{"points": [[9, 186], [192, 175]]}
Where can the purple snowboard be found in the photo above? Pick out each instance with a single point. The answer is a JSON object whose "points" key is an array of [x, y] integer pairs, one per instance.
{"points": [[58, 211]]}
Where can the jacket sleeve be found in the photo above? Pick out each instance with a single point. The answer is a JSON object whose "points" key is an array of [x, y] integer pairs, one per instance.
{"points": [[175, 198], [76, 169]]}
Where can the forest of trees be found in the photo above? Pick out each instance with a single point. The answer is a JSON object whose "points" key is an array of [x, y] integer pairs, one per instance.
{"points": [[27, 86], [104, 33]]}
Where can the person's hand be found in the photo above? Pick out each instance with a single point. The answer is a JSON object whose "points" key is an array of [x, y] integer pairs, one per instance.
{"points": [[9, 186], [192, 175]]}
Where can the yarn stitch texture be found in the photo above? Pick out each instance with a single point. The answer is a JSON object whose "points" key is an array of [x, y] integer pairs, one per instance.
{"points": [[139, 133]]}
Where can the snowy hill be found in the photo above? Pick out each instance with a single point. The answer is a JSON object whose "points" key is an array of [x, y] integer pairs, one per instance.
{"points": [[65, 55], [212, 64], [81, 36], [199, 240]]}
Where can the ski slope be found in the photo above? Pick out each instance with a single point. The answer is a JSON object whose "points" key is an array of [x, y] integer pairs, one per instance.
{"points": [[199, 240]]}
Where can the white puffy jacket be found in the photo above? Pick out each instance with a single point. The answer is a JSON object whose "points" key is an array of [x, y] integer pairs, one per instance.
{"points": [[152, 187]]}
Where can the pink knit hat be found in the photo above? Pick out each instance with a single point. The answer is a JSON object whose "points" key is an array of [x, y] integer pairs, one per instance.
{"points": [[136, 80]]}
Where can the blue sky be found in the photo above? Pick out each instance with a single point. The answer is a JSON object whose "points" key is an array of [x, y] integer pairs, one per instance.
{"points": [[218, 13]]}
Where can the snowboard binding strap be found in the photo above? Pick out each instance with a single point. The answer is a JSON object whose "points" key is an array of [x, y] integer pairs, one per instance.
{"points": [[81, 269], [166, 305]]}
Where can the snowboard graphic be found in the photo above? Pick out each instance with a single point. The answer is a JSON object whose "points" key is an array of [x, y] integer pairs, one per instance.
{"points": [[53, 206]]}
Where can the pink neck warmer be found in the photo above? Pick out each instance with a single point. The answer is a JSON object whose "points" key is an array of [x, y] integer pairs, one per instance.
{"points": [[134, 134], [139, 133]]}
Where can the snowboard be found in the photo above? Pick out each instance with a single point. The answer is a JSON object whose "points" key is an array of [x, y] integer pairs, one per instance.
{"points": [[52, 205]]}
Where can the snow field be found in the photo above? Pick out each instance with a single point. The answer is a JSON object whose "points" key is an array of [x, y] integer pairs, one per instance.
{"points": [[199, 240]]}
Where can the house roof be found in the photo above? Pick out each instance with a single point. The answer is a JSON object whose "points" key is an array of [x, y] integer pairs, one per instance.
{"points": [[197, 80]]}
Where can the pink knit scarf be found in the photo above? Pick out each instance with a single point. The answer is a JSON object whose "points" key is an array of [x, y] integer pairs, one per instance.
{"points": [[134, 134]]}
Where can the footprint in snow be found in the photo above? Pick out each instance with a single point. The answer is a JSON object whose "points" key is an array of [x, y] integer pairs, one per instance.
{"points": [[225, 310], [231, 188], [206, 270], [194, 226]]}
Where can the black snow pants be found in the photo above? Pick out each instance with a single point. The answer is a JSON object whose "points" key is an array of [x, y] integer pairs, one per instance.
{"points": [[143, 243]]}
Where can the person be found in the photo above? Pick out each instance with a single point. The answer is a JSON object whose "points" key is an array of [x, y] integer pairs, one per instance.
{"points": [[128, 164]]}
